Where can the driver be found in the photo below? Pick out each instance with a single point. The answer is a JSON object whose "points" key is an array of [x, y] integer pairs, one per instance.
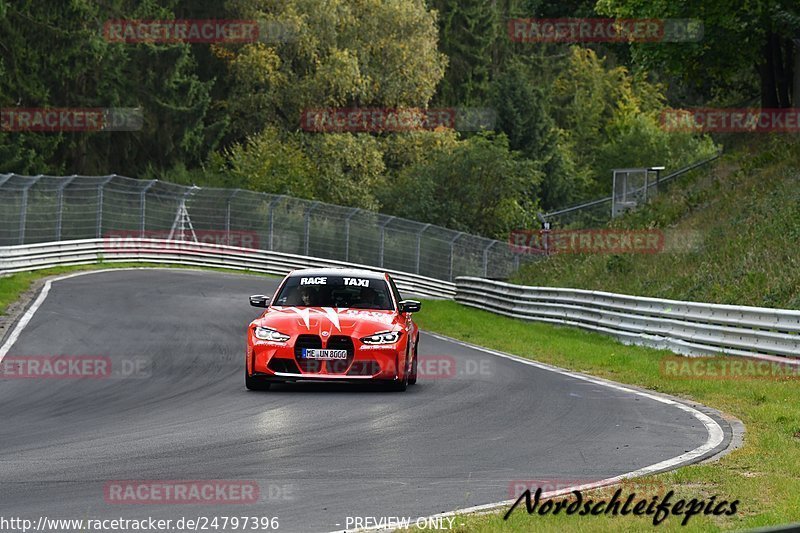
{"points": [[307, 296]]}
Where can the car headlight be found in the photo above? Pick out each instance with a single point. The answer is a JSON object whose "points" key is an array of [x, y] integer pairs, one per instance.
{"points": [[386, 337], [269, 334]]}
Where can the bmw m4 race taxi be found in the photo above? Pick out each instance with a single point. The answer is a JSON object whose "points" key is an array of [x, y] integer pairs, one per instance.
{"points": [[333, 325]]}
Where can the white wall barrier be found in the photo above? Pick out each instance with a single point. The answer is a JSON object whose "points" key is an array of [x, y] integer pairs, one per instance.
{"points": [[87, 251]]}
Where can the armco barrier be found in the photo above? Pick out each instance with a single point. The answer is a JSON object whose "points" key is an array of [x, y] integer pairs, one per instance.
{"points": [[87, 251], [690, 328]]}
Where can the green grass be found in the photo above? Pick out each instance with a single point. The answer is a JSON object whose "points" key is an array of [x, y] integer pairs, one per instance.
{"points": [[764, 475], [735, 227]]}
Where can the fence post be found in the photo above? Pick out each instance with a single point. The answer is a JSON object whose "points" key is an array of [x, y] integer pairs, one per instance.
{"points": [[486, 258], [4, 178], [272, 218], [100, 188], [23, 213], [452, 253], [60, 209], [353, 211], [228, 215], [307, 237], [142, 199], [419, 246], [383, 239]]}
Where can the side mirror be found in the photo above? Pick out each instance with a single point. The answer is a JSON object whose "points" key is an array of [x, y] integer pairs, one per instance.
{"points": [[259, 300], [410, 306]]}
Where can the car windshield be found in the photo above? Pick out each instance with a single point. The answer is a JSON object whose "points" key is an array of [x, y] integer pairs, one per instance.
{"points": [[335, 291]]}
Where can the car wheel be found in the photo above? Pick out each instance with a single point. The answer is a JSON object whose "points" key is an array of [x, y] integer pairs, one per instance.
{"points": [[399, 385], [255, 382], [412, 379]]}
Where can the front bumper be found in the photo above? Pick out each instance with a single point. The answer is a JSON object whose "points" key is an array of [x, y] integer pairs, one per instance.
{"points": [[284, 362]]}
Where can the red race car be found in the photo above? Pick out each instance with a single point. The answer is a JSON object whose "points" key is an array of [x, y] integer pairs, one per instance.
{"points": [[333, 325]]}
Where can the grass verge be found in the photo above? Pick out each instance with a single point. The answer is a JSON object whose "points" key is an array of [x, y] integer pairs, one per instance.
{"points": [[731, 230], [764, 474]]}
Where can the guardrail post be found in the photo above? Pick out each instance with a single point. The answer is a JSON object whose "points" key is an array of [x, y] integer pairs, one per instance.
{"points": [[100, 188], [383, 240], [352, 213], [307, 237], [142, 199], [23, 212], [60, 209], [452, 253], [419, 246]]}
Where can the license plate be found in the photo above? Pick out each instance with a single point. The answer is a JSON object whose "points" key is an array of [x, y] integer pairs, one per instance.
{"points": [[328, 355]]}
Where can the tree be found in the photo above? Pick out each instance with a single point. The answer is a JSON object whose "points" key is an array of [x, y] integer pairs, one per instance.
{"points": [[58, 57], [756, 37], [359, 53], [523, 115], [478, 186], [469, 31]]}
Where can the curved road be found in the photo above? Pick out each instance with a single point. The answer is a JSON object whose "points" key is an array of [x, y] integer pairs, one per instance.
{"points": [[319, 453]]}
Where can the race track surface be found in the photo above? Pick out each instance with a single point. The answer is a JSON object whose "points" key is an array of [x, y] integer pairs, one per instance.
{"points": [[319, 453]]}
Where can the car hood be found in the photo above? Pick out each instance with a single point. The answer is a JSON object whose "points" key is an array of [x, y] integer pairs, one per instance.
{"points": [[330, 320]]}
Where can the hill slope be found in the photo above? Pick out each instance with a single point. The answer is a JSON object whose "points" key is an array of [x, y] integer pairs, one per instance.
{"points": [[733, 236]]}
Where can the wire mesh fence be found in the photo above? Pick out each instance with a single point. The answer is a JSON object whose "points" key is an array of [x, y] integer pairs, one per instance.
{"points": [[597, 213], [36, 209]]}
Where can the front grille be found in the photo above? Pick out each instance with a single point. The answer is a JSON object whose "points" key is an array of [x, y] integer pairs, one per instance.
{"points": [[307, 341], [340, 342], [283, 365]]}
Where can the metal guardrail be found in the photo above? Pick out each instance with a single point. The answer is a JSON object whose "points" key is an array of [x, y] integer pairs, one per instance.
{"points": [[691, 328], [88, 251]]}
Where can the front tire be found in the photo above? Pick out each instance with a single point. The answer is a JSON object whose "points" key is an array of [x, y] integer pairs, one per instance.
{"points": [[256, 383], [399, 385], [412, 379]]}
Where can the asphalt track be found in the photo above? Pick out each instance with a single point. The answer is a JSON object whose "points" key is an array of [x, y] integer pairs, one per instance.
{"points": [[319, 453]]}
